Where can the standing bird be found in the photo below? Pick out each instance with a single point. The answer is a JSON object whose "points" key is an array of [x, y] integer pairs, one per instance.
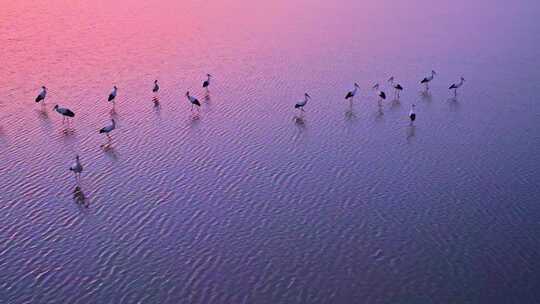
{"points": [[108, 129], [206, 83], [412, 114], [456, 86], [379, 93], [353, 92], [66, 113], [300, 105], [397, 87], [42, 95], [112, 96], [428, 79], [156, 87], [77, 168], [194, 101]]}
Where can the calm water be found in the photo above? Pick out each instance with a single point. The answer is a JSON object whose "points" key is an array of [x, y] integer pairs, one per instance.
{"points": [[245, 204]]}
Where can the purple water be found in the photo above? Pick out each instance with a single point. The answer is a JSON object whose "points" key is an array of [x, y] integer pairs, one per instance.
{"points": [[251, 201]]}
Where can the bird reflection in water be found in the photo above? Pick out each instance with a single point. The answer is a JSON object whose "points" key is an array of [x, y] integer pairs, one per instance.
{"points": [[411, 132], [350, 115], [155, 100], [426, 96], [107, 145], [394, 104], [453, 103], [68, 131], [42, 112], [379, 114], [79, 197], [193, 120], [453, 100], [110, 152], [300, 121]]}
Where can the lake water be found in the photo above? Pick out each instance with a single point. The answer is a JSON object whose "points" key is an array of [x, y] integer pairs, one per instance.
{"points": [[246, 202]]}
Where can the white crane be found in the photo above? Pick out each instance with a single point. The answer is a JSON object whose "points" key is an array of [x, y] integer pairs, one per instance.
{"points": [[77, 167], [351, 94], [379, 93], [41, 96], [300, 105], [412, 113], [206, 83], [112, 95], [456, 86], [428, 79], [397, 87], [194, 101], [156, 87], [66, 113]]}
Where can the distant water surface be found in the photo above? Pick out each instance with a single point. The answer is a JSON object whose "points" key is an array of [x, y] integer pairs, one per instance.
{"points": [[247, 202]]}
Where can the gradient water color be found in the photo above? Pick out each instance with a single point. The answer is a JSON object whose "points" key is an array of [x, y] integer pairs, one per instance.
{"points": [[245, 204]]}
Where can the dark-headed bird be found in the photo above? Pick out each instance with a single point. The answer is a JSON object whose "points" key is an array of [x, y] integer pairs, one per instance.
{"points": [[112, 96], [206, 83], [66, 113], [77, 167], [41, 96], [156, 87], [300, 105], [428, 79], [351, 94], [194, 101], [379, 93], [397, 87], [456, 86]]}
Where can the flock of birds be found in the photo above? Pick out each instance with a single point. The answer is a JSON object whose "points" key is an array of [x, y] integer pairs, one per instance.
{"points": [[67, 114], [382, 95]]}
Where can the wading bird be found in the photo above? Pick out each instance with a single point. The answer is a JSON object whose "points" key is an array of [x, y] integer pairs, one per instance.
{"points": [[428, 79], [206, 83], [397, 87], [77, 168], [300, 105], [156, 87], [379, 93], [108, 129], [42, 95], [66, 113], [194, 101], [351, 94], [412, 113], [112, 96], [456, 86]]}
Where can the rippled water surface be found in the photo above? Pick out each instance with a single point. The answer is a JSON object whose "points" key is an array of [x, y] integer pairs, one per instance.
{"points": [[250, 201]]}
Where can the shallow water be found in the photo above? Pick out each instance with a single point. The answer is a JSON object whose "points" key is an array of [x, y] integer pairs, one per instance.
{"points": [[246, 202]]}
